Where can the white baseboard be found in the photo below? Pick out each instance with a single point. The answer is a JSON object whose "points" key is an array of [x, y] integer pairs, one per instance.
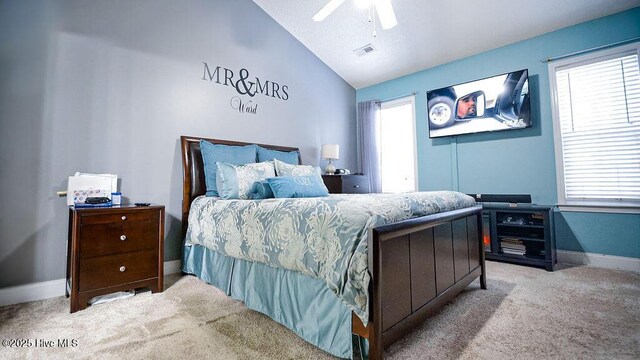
{"points": [[54, 288], [598, 260], [32, 292]]}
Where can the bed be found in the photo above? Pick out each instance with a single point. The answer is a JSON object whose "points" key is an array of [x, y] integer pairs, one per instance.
{"points": [[413, 267]]}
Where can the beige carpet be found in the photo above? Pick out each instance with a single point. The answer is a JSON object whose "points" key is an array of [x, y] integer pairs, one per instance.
{"points": [[527, 313]]}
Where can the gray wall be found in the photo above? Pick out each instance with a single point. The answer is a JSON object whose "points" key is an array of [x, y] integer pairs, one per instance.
{"points": [[109, 86]]}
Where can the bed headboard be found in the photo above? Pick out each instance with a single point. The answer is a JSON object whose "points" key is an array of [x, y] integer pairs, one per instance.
{"points": [[193, 184]]}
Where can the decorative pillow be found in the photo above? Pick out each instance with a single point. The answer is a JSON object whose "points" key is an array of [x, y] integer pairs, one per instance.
{"points": [[284, 169], [288, 157], [236, 182], [298, 186], [235, 155], [261, 190]]}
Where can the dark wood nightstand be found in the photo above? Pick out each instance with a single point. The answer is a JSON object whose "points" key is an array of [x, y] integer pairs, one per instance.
{"points": [[347, 184], [114, 249]]}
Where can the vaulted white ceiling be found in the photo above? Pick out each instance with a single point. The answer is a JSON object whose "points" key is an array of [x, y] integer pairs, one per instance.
{"points": [[429, 32]]}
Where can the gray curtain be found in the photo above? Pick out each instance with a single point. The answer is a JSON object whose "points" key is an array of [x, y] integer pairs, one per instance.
{"points": [[368, 116]]}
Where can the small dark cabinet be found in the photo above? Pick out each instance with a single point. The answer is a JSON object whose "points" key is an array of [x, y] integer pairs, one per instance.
{"points": [[347, 184], [519, 233]]}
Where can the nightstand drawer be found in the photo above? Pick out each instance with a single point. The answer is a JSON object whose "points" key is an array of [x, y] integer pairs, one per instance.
{"points": [[119, 217], [117, 238], [355, 184], [105, 271], [347, 184]]}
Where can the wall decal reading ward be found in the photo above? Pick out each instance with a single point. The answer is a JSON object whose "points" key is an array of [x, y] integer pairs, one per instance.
{"points": [[227, 77], [248, 107]]}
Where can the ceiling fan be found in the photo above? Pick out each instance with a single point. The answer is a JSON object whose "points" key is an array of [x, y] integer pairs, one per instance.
{"points": [[383, 7]]}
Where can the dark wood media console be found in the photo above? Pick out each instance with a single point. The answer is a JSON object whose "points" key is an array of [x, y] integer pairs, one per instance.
{"points": [[520, 234]]}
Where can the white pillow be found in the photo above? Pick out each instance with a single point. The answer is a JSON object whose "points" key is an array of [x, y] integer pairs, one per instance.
{"points": [[236, 181], [284, 169]]}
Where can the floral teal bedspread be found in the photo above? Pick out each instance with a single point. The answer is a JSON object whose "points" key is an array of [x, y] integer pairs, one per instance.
{"points": [[324, 238]]}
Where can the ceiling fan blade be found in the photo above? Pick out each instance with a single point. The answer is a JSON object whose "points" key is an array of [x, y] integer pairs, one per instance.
{"points": [[385, 13], [327, 9]]}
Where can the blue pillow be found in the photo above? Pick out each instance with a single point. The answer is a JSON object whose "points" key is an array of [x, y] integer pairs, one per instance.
{"points": [[235, 155], [261, 190], [297, 186], [288, 157], [236, 181]]}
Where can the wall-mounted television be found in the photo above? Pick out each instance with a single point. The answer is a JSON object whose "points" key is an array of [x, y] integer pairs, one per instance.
{"points": [[495, 103]]}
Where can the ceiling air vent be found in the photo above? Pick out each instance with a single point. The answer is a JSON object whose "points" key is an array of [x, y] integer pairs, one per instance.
{"points": [[364, 50]]}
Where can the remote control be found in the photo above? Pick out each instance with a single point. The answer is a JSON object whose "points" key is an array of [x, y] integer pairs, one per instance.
{"points": [[142, 204]]}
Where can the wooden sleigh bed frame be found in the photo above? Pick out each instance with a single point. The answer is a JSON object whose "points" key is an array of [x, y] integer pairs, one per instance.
{"points": [[416, 265]]}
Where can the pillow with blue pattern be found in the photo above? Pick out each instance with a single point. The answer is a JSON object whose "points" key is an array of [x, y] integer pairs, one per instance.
{"points": [[237, 181]]}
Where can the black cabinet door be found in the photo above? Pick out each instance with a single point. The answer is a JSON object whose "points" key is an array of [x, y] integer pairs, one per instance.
{"points": [[347, 184], [443, 246], [355, 184], [423, 284]]}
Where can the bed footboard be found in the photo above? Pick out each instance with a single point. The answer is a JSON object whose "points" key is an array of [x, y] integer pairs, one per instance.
{"points": [[417, 266]]}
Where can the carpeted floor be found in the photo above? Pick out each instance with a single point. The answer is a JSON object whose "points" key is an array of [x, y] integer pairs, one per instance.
{"points": [[527, 313]]}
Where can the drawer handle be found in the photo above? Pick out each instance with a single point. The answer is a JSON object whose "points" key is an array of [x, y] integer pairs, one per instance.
{"points": [[124, 217], [123, 237], [122, 268], [356, 186]]}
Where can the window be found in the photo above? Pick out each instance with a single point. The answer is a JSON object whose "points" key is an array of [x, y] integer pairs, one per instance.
{"points": [[397, 145], [596, 109]]}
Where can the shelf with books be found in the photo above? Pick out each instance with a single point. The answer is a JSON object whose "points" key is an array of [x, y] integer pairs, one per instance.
{"points": [[523, 238], [522, 234], [521, 226]]}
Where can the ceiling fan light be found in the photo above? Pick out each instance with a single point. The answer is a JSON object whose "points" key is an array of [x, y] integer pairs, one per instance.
{"points": [[385, 13], [327, 9]]}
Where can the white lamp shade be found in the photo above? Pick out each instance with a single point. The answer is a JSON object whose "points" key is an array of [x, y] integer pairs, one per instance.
{"points": [[330, 152]]}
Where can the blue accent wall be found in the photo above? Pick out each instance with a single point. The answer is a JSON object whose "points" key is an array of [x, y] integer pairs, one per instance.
{"points": [[519, 161], [611, 234]]}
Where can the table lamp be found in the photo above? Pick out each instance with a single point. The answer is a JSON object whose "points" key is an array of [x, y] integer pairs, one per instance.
{"points": [[330, 152]]}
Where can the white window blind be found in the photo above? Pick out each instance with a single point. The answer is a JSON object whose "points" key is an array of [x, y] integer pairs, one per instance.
{"points": [[598, 110]]}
